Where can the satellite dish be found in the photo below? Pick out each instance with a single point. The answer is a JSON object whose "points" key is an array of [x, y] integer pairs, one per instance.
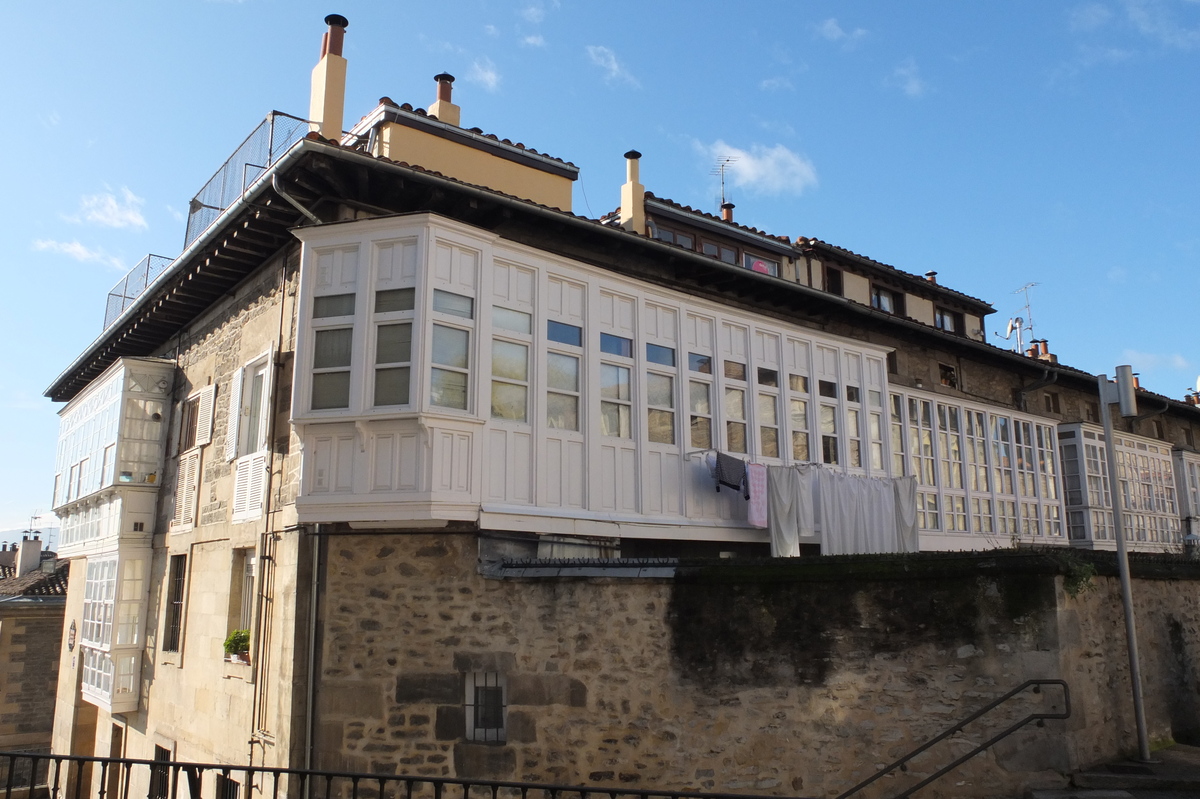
{"points": [[1008, 332], [1197, 383]]}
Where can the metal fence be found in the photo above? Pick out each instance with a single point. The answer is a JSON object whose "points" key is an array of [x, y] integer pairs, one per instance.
{"points": [[24, 776], [132, 285], [263, 147]]}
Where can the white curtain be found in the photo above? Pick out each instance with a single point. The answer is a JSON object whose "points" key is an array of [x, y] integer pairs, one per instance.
{"points": [[856, 515]]}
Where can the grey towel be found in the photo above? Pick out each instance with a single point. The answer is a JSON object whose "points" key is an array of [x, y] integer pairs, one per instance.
{"points": [[731, 472]]}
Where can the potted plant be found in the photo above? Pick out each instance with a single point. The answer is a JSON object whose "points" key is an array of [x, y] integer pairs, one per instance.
{"points": [[237, 646]]}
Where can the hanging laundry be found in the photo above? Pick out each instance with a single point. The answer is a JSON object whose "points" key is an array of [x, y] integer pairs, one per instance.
{"points": [[731, 472], [756, 483]]}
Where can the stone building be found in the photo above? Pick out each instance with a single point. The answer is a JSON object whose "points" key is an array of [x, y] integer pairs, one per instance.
{"points": [[394, 388], [33, 593]]}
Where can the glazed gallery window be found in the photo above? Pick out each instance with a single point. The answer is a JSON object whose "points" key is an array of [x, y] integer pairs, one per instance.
{"points": [[562, 375], [510, 364], [450, 375], [333, 317], [393, 311]]}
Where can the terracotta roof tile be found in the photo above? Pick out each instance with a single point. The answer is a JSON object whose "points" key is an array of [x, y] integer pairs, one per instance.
{"points": [[37, 583], [407, 107], [713, 218]]}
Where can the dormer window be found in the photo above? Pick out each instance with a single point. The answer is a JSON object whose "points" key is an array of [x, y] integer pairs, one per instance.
{"points": [[684, 240], [714, 250], [950, 321]]}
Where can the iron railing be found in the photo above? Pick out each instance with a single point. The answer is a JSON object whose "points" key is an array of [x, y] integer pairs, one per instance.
{"points": [[132, 285], [48, 776], [263, 147], [1040, 718]]}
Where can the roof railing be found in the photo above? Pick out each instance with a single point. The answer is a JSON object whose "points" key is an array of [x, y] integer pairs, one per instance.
{"points": [[132, 285]]}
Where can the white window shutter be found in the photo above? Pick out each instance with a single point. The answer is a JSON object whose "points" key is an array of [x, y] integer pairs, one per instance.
{"points": [[235, 416], [185, 489], [249, 487], [241, 487], [204, 415]]}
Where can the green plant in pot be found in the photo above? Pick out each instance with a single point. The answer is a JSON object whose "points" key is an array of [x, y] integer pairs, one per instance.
{"points": [[237, 645]]}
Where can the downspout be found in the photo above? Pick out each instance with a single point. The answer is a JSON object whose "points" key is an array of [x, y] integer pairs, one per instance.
{"points": [[1049, 378], [310, 712], [292, 201]]}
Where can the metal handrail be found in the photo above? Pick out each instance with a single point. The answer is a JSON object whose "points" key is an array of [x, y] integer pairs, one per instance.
{"points": [[1039, 717]]}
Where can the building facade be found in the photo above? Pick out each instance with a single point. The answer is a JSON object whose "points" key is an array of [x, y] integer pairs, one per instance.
{"points": [[400, 339]]}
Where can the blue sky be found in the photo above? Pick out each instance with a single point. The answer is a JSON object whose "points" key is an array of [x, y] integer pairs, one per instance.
{"points": [[996, 143]]}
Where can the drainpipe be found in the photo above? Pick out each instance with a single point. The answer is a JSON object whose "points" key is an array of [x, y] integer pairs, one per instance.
{"points": [[292, 200], [1049, 378], [310, 711]]}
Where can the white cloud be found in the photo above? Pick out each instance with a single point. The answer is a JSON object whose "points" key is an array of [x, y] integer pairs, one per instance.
{"points": [[606, 59], [483, 72], [776, 84], [907, 78], [1088, 17], [533, 13], [175, 213], [534, 41], [491, 30], [110, 211], [762, 169], [1152, 19], [832, 31], [79, 252], [1150, 360]]}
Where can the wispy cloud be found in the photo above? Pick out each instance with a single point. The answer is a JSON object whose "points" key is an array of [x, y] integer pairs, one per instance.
{"points": [[491, 30], [533, 41], [907, 78], [1152, 360], [175, 213], [1088, 17], [762, 169], [775, 84], [534, 13], [108, 210], [831, 31], [1153, 19], [79, 252], [607, 60], [484, 72]]}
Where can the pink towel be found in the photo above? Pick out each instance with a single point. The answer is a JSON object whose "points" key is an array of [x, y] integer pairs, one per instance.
{"points": [[756, 476]]}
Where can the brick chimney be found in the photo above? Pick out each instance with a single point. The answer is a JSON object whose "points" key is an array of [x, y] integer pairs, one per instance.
{"points": [[442, 108], [931, 276], [29, 555], [328, 98], [727, 212], [633, 196]]}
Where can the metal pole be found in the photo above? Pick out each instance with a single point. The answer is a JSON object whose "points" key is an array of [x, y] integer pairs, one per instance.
{"points": [[1135, 670]]}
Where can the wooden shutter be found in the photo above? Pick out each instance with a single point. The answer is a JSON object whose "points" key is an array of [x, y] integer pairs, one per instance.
{"points": [[249, 487], [185, 489], [235, 415], [204, 415]]}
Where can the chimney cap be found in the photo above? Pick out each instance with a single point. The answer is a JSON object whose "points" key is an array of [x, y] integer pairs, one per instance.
{"points": [[338, 20], [633, 155], [444, 77], [728, 205]]}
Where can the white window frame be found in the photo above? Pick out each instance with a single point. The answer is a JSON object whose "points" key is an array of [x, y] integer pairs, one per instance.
{"points": [[251, 459]]}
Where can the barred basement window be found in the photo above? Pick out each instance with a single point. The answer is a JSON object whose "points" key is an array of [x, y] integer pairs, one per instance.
{"points": [[486, 705], [173, 633]]}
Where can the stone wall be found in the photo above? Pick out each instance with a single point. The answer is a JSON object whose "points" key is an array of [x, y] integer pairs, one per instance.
{"points": [[30, 634], [783, 678]]}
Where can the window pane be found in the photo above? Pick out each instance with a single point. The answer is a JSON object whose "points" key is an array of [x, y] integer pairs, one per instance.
{"points": [[332, 348], [827, 388], [828, 419], [614, 382], [393, 344], [798, 383], [662, 355], [700, 363], [770, 442], [394, 300], [735, 404], [684, 240], [449, 389], [735, 370], [562, 411], [799, 413], [562, 371], [333, 305], [391, 386], [768, 377], [701, 432], [509, 401], [564, 334], [660, 390], [331, 390], [766, 409], [661, 426], [800, 446], [510, 360], [756, 263], [614, 420], [450, 346], [508, 319], [698, 398], [736, 433], [453, 304], [616, 345]]}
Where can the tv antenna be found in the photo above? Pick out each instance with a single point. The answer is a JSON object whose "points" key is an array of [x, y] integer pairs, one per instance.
{"points": [[1028, 308], [721, 167]]}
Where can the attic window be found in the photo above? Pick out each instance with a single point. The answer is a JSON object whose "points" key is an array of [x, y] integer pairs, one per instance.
{"points": [[887, 300], [950, 321], [757, 263], [948, 375], [684, 240], [1052, 402], [726, 254], [833, 281]]}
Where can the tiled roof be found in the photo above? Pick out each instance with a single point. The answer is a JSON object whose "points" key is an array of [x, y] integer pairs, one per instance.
{"points": [[802, 242], [687, 209], [421, 112], [36, 583]]}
